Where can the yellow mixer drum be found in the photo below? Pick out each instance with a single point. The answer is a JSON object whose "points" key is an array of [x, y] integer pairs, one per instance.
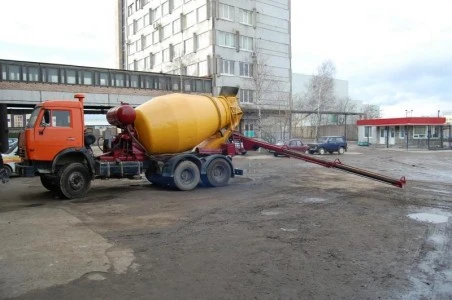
{"points": [[178, 122]]}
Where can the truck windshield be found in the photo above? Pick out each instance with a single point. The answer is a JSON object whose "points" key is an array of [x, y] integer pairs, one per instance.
{"points": [[34, 116]]}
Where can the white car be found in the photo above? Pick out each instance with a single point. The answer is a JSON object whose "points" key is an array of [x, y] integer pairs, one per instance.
{"points": [[10, 159]]}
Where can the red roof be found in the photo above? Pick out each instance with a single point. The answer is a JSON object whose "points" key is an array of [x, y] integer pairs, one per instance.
{"points": [[403, 121]]}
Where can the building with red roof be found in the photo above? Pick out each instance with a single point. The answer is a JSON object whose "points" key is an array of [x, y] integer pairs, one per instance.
{"points": [[409, 132]]}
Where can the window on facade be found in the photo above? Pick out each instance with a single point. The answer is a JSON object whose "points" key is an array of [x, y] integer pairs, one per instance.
{"points": [[203, 68], [117, 79], [131, 66], [202, 40], [165, 8], [87, 78], [435, 131], [368, 131], [176, 26], [146, 41], [246, 69], [402, 132], [177, 3], [134, 81], [249, 128], [158, 58], [131, 48], [154, 14], [138, 45], [14, 72], [103, 78], [140, 64], [138, 24], [188, 46], [189, 19], [192, 70], [226, 12], [52, 75], [246, 96], [177, 50], [138, 4], [146, 20], [202, 13], [33, 74], [166, 55], [419, 132], [227, 67], [226, 39], [246, 17], [71, 77], [187, 85], [130, 10], [246, 43], [155, 36], [130, 29], [166, 31]]}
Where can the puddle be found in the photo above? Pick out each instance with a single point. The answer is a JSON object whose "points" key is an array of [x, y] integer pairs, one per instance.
{"points": [[289, 229], [430, 218], [270, 213], [311, 200]]}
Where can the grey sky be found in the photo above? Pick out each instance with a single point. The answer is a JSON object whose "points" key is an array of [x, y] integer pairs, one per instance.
{"points": [[393, 53]]}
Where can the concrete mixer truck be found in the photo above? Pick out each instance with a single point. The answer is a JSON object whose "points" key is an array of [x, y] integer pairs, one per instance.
{"points": [[175, 140]]}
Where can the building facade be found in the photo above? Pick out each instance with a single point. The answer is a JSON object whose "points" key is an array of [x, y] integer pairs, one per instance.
{"points": [[239, 43], [409, 132]]}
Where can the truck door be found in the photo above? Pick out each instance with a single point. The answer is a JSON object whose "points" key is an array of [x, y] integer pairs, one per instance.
{"points": [[56, 130]]}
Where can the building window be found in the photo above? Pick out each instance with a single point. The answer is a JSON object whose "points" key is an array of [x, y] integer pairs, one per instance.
{"points": [[155, 36], [202, 40], [103, 79], [18, 120], [419, 132], [246, 96], [87, 78], [146, 20], [158, 58], [202, 13], [154, 14], [166, 55], [177, 3], [226, 39], [402, 132], [246, 17], [138, 24], [226, 12], [203, 68], [249, 128], [368, 131], [192, 70], [14, 72], [177, 50], [165, 8], [188, 46], [189, 19], [140, 64], [227, 67], [131, 48], [130, 10], [52, 75], [138, 45], [33, 74], [246, 43], [166, 31], [130, 29], [246, 69], [176, 26]]}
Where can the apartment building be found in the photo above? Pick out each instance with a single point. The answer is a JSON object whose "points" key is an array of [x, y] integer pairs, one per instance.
{"points": [[243, 43]]}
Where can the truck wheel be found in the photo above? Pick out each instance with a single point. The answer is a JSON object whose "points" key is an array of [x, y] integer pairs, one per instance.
{"points": [[8, 171], [74, 180], [186, 175], [218, 172], [341, 150], [49, 184], [321, 151]]}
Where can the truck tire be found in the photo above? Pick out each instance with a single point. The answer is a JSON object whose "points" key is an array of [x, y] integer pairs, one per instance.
{"points": [[49, 183], [186, 175], [74, 180], [218, 172]]}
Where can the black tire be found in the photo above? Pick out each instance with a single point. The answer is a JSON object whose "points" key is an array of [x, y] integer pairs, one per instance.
{"points": [[74, 180], [275, 154], [49, 183], [321, 151], [186, 175], [8, 171], [218, 172], [341, 150]]}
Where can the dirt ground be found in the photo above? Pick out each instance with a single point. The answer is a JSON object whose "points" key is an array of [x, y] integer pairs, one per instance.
{"points": [[287, 229]]}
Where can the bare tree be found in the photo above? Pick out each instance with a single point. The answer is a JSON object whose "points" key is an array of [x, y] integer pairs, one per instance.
{"points": [[371, 111], [344, 105], [320, 94]]}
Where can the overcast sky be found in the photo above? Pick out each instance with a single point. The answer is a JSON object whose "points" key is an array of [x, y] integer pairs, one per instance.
{"points": [[394, 53]]}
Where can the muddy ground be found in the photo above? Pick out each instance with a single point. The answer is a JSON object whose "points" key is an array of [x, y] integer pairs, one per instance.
{"points": [[287, 229]]}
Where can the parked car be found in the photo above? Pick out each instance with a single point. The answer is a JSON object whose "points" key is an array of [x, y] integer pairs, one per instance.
{"points": [[10, 158], [292, 144], [329, 144]]}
